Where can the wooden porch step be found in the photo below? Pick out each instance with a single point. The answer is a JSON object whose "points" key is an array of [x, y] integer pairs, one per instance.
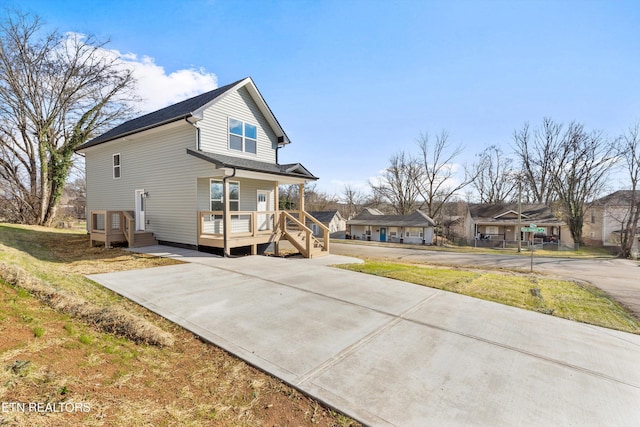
{"points": [[298, 239], [143, 238]]}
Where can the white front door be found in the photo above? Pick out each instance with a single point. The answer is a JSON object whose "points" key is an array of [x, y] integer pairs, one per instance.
{"points": [[140, 220], [264, 222]]}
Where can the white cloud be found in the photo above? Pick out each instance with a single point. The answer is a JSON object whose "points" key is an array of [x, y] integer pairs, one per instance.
{"points": [[154, 86], [159, 89]]}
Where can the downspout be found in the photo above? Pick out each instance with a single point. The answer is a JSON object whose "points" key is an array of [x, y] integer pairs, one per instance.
{"points": [[225, 194], [186, 119]]}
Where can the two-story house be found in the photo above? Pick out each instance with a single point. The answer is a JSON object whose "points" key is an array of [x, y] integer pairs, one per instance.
{"points": [[200, 173], [606, 217]]}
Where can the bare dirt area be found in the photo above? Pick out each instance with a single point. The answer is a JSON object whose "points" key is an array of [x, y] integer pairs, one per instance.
{"points": [[72, 374]]}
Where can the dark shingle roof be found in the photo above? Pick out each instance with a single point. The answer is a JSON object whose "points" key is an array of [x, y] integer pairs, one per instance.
{"points": [[163, 116], [324, 217], [294, 169], [416, 219]]}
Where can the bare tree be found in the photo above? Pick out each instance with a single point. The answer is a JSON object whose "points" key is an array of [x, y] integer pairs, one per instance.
{"points": [[630, 153], [494, 174], [536, 152], [398, 186], [55, 91], [288, 196], [316, 200], [580, 165], [437, 183], [352, 201]]}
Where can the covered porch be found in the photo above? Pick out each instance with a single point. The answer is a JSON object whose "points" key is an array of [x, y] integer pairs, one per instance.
{"points": [[238, 207], [508, 234]]}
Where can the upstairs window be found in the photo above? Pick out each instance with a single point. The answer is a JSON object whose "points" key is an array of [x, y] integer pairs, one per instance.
{"points": [[243, 136], [116, 166], [217, 201]]}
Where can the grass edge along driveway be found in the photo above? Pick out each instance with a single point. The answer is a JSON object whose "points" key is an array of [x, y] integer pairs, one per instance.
{"points": [[571, 300]]}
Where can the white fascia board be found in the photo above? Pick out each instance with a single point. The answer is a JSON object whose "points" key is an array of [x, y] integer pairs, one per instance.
{"points": [[257, 98]]}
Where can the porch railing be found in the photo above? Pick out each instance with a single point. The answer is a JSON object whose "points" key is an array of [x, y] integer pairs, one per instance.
{"points": [[248, 224], [243, 223], [107, 226], [129, 226]]}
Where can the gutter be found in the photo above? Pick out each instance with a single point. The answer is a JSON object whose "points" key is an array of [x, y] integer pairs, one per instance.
{"points": [[125, 134]]}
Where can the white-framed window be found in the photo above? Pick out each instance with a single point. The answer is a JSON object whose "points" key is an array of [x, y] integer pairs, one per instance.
{"points": [[117, 172], [217, 201], [491, 229], [243, 136], [413, 232]]}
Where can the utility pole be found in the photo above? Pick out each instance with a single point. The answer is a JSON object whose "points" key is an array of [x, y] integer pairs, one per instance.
{"points": [[519, 231]]}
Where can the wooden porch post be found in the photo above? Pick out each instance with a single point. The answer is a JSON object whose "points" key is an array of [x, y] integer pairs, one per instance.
{"points": [[227, 217], [301, 219], [276, 217]]}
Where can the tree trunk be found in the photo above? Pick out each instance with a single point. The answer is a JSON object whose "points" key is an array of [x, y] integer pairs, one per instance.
{"points": [[575, 226]]}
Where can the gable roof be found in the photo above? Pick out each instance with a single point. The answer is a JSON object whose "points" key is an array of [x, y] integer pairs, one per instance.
{"points": [[532, 212], [511, 212], [617, 198], [192, 107], [220, 160], [416, 219], [325, 217]]}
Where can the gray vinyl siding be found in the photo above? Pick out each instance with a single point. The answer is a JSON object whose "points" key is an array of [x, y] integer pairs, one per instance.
{"points": [[157, 162], [238, 105]]}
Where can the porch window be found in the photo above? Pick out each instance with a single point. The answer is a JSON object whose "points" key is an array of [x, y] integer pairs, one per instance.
{"points": [[217, 202], [491, 229], [243, 136], [413, 232], [116, 166]]}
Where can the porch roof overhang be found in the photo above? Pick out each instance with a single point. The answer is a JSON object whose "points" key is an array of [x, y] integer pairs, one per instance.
{"points": [[248, 168]]}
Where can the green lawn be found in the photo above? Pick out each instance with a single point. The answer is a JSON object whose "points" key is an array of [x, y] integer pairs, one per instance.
{"points": [[583, 252], [566, 299]]}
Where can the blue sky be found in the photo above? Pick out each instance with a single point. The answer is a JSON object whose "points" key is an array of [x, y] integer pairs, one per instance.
{"points": [[352, 82]]}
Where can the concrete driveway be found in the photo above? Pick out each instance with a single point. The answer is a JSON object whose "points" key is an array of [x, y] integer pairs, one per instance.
{"points": [[620, 278], [391, 353]]}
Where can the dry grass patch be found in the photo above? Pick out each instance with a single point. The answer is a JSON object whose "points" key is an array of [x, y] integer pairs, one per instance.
{"points": [[114, 320], [126, 383], [567, 299]]}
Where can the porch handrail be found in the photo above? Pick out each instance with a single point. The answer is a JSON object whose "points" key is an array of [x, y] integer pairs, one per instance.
{"points": [[129, 226], [308, 233], [325, 230]]}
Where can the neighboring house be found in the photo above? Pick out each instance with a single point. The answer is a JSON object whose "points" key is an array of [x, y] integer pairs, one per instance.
{"points": [[497, 225], [605, 218], [200, 173], [371, 224], [333, 220]]}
